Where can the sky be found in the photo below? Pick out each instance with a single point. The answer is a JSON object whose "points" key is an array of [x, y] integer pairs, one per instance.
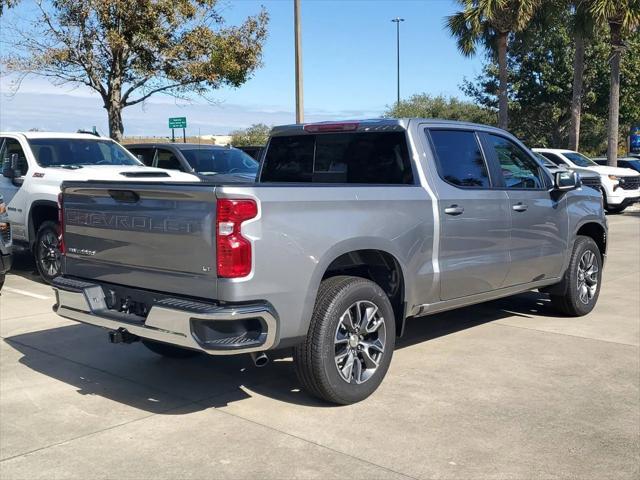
{"points": [[349, 71]]}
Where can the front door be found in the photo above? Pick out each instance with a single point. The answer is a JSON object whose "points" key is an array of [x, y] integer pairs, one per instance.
{"points": [[14, 197], [474, 218], [538, 218]]}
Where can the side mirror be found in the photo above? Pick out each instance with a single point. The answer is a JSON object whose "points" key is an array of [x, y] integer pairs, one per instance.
{"points": [[10, 167], [566, 180]]}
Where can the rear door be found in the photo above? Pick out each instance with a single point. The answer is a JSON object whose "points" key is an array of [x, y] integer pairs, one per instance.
{"points": [[474, 217], [539, 220], [160, 236]]}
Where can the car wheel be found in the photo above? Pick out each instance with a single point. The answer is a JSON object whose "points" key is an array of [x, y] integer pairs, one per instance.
{"points": [[615, 209], [47, 251], [350, 342], [171, 351], [581, 282], [1, 280]]}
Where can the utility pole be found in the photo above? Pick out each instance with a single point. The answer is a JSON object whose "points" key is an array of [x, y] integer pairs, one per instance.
{"points": [[298, 48], [397, 21]]}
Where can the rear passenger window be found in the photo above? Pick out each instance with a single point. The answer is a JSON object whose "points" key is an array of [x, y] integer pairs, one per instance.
{"points": [[365, 158], [145, 155], [459, 159]]}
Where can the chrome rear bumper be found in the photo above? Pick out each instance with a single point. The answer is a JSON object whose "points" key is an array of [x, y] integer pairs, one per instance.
{"points": [[170, 320]]}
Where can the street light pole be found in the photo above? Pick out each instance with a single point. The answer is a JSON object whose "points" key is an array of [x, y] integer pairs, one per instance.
{"points": [[397, 21], [298, 54]]}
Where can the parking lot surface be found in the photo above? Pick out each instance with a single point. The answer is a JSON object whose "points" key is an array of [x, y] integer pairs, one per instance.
{"points": [[506, 389]]}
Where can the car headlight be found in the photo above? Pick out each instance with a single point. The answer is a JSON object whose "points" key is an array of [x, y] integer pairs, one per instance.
{"points": [[3, 208]]}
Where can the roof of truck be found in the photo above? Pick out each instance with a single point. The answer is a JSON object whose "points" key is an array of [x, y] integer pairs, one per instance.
{"points": [[55, 135], [376, 124]]}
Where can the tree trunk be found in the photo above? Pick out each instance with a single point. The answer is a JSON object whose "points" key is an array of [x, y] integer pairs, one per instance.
{"points": [[503, 101], [114, 112], [614, 94], [576, 98]]}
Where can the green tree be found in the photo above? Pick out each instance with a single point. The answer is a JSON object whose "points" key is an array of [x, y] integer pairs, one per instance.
{"points": [[490, 22], [7, 4], [622, 18], [541, 61], [449, 108], [256, 134], [582, 31], [129, 50]]}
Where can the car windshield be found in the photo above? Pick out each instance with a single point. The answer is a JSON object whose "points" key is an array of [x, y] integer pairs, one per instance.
{"points": [[579, 159], [77, 152], [209, 161]]}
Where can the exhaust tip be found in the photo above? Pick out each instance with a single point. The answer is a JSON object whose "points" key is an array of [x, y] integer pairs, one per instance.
{"points": [[259, 359]]}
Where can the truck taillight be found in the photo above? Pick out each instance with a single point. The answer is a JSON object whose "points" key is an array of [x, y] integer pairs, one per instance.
{"points": [[60, 224], [233, 250]]}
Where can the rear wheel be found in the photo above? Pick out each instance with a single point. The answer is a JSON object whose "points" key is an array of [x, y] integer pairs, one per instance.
{"points": [[350, 342], [170, 351], [47, 251], [581, 282]]}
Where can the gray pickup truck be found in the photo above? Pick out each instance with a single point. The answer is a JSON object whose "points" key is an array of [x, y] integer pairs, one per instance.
{"points": [[351, 228]]}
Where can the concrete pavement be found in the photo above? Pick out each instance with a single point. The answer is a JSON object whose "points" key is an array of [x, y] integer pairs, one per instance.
{"points": [[506, 389]]}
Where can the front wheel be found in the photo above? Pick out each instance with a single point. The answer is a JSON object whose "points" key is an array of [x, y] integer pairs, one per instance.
{"points": [[350, 342], [581, 282], [47, 251]]}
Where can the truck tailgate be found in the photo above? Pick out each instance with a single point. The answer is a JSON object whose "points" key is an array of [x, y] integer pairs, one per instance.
{"points": [[156, 236]]}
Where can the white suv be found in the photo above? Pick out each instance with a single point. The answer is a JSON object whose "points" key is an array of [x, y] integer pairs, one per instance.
{"points": [[620, 186], [34, 165]]}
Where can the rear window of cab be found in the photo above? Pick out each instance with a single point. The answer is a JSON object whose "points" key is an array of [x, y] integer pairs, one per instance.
{"points": [[380, 158]]}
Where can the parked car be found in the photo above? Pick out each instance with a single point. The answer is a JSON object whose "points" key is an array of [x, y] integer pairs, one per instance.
{"points": [[351, 228], [620, 186], [588, 178], [5, 241], [213, 162], [34, 166], [625, 162], [254, 151]]}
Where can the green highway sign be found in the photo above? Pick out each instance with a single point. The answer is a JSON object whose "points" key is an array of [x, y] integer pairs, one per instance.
{"points": [[178, 122]]}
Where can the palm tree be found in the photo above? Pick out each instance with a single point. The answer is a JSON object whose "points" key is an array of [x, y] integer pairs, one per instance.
{"points": [[622, 17], [490, 22], [582, 29]]}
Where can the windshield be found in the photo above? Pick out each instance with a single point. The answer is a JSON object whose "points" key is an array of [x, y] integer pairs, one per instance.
{"points": [[76, 152], [209, 161], [579, 159]]}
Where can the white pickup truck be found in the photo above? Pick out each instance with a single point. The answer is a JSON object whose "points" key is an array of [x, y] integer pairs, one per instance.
{"points": [[34, 165]]}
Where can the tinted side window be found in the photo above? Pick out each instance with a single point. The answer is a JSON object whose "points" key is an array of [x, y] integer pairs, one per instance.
{"points": [[12, 146], [518, 169], [167, 160], [364, 158], [554, 158], [143, 154], [459, 159]]}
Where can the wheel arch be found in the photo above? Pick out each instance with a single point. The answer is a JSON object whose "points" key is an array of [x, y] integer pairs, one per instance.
{"points": [[40, 211], [373, 259], [597, 232]]}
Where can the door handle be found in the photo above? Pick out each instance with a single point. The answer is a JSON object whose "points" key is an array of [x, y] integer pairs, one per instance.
{"points": [[519, 207], [454, 210]]}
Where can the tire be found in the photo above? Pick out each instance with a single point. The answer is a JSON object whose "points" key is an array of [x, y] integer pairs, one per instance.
{"points": [[613, 209], [321, 360], [1, 280], [170, 351], [579, 297], [46, 251]]}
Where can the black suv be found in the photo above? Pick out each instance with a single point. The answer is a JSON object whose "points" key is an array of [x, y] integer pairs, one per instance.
{"points": [[223, 163]]}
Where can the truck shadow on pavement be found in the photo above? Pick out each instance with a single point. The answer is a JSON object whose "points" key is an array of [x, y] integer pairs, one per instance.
{"points": [[80, 355], [25, 266]]}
